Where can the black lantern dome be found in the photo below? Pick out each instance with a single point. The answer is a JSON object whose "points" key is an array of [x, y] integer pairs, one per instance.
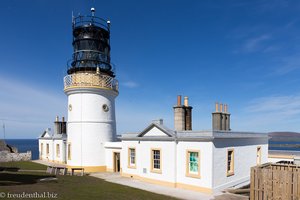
{"points": [[91, 45]]}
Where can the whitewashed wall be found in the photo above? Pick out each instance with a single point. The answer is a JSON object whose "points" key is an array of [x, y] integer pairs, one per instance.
{"points": [[45, 156], [245, 153], [52, 157], [206, 161], [89, 126], [62, 157], [110, 149], [143, 159]]}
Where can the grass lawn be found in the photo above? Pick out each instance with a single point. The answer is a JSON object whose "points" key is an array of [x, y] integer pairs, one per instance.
{"points": [[67, 187], [24, 165]]}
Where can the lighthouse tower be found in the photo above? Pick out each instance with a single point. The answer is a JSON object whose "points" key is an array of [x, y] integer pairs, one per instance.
{"points": [[91, 88]]}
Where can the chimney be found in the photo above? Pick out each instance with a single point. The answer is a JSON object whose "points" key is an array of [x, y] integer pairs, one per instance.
{"points": [[178, 100], [182, 115], [63, 125], [217, 107], [57, 126], [217, 117], [188, 114], [227, 115], [221, 119], [179, 115], [186, 101]]}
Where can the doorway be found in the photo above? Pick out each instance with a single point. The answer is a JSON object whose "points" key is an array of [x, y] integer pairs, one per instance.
{"points": [[117, 162], [258, 156]]}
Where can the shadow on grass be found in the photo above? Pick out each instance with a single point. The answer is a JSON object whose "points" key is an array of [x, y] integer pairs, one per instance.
{"points": [[8, 179], [9, 169]]}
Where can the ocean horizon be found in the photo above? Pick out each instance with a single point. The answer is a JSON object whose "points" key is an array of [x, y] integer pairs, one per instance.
{"points": [[25, 145]]}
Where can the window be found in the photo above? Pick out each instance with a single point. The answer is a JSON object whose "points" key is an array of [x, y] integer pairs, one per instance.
{"points": [[42, 149], [57, 151], [230, 162], [69, 151], [131, 157], [47, 149], [258, 156], [156, 160], [193, 163]]}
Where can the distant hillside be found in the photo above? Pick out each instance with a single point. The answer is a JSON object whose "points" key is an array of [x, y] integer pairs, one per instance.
{"points": [[284, 136]]}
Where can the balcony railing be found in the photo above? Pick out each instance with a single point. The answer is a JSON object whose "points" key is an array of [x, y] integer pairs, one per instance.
{"points": [[90, 80]]}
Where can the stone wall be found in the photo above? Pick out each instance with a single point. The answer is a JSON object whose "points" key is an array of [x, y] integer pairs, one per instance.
{"points": [[6, 156]]}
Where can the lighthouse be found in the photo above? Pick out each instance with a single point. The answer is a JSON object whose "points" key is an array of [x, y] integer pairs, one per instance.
{"points": [[91, 87]]}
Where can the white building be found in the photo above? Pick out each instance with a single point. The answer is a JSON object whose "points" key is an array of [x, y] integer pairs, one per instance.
{"points": [[204, 161], [199, 160], [52, 145]]}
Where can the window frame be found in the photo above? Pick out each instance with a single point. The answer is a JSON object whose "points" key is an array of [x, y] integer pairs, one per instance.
{"points": [[69, 151], [156, 170], [129, 164], [42, 149], [188, 173], [47, 149], [231, 171], [57, 146]]}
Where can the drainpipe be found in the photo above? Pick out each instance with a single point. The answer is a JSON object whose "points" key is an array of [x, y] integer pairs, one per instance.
{"points": [[175, 169]]}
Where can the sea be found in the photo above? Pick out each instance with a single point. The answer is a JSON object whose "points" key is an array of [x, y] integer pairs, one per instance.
{"points": [[25, 145], [32, 145]]}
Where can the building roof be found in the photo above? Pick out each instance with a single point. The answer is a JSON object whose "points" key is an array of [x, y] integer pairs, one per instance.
{"points": [[156, 131], [48, 135]]}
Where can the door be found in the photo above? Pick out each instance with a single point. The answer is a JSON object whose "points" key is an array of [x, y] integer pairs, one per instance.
{"points": [[258, 156], [117, 162]]}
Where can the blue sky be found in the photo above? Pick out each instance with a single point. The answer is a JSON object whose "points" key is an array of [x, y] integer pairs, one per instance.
{"points": [[243, 53]]}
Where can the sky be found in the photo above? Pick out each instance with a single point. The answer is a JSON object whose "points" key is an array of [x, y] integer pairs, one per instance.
{"points": [[242, 53]]}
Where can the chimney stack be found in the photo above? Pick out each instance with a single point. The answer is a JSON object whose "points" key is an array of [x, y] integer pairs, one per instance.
{"points": [[63, 126], [57, 127], [221, 118], [182, 115]]}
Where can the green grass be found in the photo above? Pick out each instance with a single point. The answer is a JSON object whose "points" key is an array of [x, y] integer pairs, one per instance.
{"points": [[70, 187], [26, 165]]}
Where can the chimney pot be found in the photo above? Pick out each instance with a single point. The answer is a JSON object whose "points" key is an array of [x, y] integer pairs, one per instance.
{"points": [[221, 107], [217, 107], [56, 119], [63, 119], [186, 101], [179, 100]]}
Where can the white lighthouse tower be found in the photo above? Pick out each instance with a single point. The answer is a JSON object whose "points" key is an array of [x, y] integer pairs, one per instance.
{"points": [[91, 88]]}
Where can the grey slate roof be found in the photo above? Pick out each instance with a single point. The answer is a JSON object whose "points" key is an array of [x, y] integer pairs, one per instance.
{"points": [[190, 135], [53, 136]]}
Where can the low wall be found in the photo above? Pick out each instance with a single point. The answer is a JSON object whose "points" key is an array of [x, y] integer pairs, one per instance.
{"points": [[6, 156]]}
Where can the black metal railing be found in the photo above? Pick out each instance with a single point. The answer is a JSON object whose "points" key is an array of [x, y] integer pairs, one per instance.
{"points": [[90, 20]]}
